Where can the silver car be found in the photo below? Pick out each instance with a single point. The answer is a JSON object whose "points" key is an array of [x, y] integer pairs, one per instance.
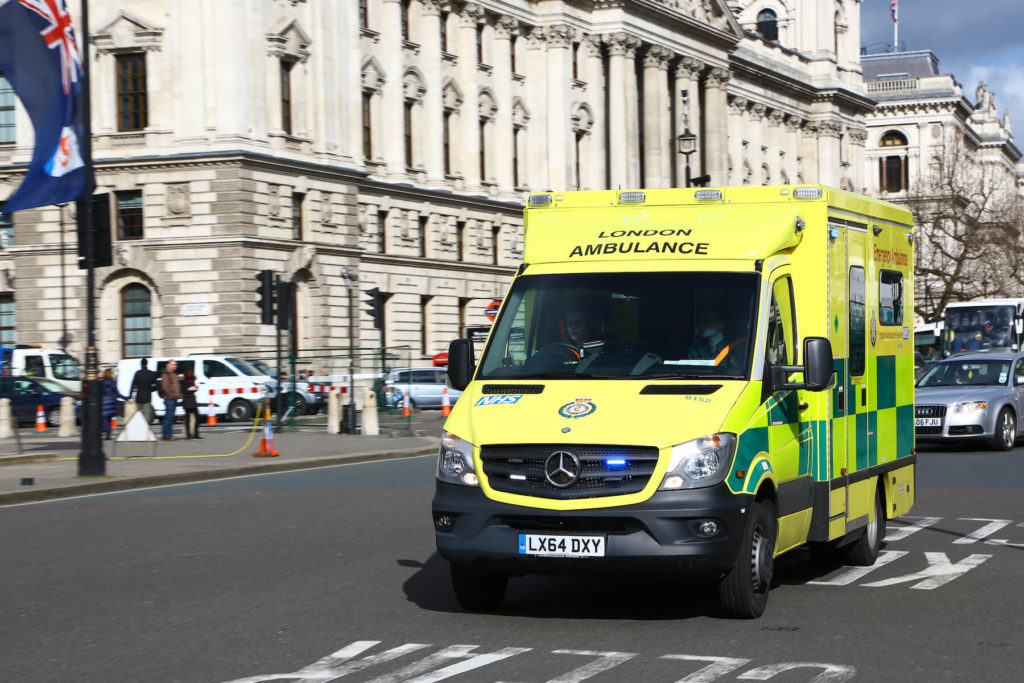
{"points": [[971, 396], [425, 387]]}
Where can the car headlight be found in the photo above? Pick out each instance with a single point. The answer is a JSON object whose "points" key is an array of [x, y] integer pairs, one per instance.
{"points": [[701, 462], [969, 406], [455, 461]]}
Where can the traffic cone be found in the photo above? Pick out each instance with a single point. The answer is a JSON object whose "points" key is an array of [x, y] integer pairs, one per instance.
{"points": [[211, 417], [267, 449], [113, 422], [446, 404], [40, 419], [406, 410]]}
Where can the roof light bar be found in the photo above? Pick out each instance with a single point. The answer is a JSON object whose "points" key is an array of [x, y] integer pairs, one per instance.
{"points": [[708, 195], [540, 199], [632, 197], [807, 193]]}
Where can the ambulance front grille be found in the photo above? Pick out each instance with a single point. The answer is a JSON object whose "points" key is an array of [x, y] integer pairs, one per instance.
{"points": [[603, 470]]}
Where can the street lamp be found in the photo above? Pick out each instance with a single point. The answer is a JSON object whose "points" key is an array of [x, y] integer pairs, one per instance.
{"points": [[687, 145]]}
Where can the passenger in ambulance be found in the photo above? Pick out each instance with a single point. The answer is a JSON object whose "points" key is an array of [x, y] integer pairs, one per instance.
{"points": [[712, 343]]}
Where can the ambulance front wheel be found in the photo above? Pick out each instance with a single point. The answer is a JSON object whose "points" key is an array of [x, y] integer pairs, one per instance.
{"points": [[744, 590], [476, 591]]}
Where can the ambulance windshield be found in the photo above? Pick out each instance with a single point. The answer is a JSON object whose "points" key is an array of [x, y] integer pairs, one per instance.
{"points": [[666, 325]]}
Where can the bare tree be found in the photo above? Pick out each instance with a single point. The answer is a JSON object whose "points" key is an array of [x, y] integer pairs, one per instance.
{"points": [[968, 216]]}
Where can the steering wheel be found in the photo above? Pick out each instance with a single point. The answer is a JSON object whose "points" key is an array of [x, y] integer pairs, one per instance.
{"points": [[554, 354]]}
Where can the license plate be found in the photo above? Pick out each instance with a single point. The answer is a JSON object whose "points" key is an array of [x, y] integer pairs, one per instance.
{"points": [[561, 546], [927, 422]]}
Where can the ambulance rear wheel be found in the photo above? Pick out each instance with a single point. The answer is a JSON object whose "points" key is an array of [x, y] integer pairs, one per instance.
{"points": [[744, 590], [1005, 432], [864, 551], [240, 410], [476, 591]]}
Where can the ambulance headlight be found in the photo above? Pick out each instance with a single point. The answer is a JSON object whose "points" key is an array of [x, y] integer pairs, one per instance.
{"points": [[969, 407], [701, 462], [455, 461]]}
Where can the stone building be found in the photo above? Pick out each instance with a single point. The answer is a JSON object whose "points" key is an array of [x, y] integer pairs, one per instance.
{"points": [[396, 140], [953, 162]]}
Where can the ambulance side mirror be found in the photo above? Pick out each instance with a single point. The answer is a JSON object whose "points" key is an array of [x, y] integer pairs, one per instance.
{"points": [[817, 367], [460, 363]]}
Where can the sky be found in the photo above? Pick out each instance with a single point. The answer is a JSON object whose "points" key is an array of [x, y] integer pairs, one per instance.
{"points": [[974, 40]]}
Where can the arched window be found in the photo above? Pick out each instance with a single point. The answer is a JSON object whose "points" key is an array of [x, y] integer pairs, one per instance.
{"points": [[136, 322], [892, 169], [768, 24]]}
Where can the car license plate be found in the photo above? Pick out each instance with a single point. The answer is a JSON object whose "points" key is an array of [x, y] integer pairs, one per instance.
{"points": [[927, 422], [561, 546]]}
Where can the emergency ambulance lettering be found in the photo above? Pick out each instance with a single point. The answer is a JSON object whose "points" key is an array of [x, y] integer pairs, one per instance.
{"points": [[700, 248]]}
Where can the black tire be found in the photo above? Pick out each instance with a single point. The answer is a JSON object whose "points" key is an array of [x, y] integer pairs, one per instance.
{"points": [[300, 406], [53, 417], [743, 592], [475, 591], [1005, 433], [240, 410], [864, 551]]}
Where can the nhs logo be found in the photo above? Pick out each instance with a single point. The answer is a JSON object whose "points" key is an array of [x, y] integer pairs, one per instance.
{"points": [[497, 400]]}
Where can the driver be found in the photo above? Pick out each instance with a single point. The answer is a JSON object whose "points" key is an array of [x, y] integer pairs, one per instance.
{"points": [[585, 322], [710, 343]]}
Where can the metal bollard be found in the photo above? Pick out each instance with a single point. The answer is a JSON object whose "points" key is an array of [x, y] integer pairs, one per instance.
{"points": [[67, 417]]}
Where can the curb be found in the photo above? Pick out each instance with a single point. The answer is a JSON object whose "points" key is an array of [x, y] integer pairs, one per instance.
{"points": [[108, 485], [22, 458]]}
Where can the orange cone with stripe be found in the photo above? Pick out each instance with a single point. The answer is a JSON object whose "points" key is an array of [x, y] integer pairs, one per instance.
{"points": [[446, 404], [40, 419], [406, 410], [113, 422], [267, 442], [211, 416]]}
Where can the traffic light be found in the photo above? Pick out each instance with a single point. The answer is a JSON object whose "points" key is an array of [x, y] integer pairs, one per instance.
{"points": [[284, 305], [375, 307], [266, 294]]}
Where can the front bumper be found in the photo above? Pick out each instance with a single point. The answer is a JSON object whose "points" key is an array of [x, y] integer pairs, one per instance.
{"points": [[657, 536], [959, 426]]}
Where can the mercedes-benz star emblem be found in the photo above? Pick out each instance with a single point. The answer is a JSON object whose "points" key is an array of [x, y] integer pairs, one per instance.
{"points": [[562, 469]]}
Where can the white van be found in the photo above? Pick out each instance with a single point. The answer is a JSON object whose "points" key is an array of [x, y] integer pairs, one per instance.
{"points": [[233, 386], [37, 361]]}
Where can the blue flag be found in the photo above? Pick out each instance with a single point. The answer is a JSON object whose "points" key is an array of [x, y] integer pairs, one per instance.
{"points": [[40, 58]]}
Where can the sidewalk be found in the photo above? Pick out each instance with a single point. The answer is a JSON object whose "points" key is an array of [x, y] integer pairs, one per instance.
{"points": [[224, 451]]}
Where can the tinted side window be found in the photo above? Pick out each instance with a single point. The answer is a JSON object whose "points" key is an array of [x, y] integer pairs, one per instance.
{"points": [[5, 387], [423, 377], [34, 366], [402, 377], [890, 297], [857, 326], [214, 368]]}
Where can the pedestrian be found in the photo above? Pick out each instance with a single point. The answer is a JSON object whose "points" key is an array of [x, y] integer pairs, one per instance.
{"points": [[143, 385], [109, 396], [170, 391], [191, 406]]}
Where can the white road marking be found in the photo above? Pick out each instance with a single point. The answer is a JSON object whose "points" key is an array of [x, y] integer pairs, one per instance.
{"points": [[336, 665], [939, 571], [993, 526], [411, 672], [856, 573], [898, 533], [831, 673], [718, 667]]}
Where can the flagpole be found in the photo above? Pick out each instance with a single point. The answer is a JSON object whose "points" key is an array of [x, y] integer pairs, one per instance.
{"points": [[91, 460], [895, 26]]}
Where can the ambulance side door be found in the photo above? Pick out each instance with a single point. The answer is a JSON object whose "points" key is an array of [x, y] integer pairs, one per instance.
{"points": [[831, 464]]}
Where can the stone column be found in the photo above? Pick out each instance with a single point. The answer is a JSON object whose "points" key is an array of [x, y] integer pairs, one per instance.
{"points": [[776, 144], [655, 62], [737, 139], [793, 151], [687, 74], [559, 54], [619, 45], [391, 102], [595, 173], [810, 166], [536, 97], [633, 150], [432, 142], [504, 137], [755, 134], [468, 134], [715, 154], [829, 159], [858, 140]]}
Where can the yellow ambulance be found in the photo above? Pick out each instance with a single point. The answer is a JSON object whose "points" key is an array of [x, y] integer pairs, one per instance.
{"points": [[687, 382]]}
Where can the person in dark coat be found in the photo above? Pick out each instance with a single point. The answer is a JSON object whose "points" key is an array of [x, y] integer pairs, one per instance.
{"points": [[190, 404], [143, 386], [108, 400]]}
